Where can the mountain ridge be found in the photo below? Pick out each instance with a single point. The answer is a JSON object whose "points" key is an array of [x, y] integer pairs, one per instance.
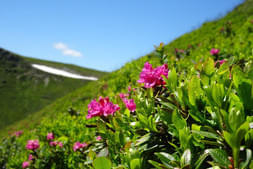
{"points": [[25, 89]]}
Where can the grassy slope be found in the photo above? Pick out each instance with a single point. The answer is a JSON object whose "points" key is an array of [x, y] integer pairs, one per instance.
{"points": [[82, 96], [210, 34], [25, 90]]}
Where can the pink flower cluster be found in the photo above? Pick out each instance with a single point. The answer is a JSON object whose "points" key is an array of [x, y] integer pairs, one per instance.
{"points": [[152, 77], [79, 145], [129, 103], [131, 106], [18, 133], [55, 143], [101, 108], [32, 145], [50, 136], [25, 164], [98, 138], [214, 51], [123, 96], [30, 157]]}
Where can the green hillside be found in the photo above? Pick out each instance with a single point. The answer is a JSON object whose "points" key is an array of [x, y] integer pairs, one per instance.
{"points": [[25, 90], [199, 114]]}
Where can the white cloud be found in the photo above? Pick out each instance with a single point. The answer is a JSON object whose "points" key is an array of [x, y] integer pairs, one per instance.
{"points": [[66, 50]]}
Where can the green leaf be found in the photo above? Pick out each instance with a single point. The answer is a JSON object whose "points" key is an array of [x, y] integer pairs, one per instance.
{"points": [[184, 138], [142, 140], [186, 158], [194, 90], [165, 157], [206, 134], [200, 160], [218, 94], [178, 121], [240, 133], [229, 138], [171, 81], [151, 123], [209, 66], [219, 156], [236, 115], [157, 165], [102, 163], [135, 163]]}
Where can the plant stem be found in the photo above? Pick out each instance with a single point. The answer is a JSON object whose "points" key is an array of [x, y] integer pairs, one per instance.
{"points": [[236, 157]]}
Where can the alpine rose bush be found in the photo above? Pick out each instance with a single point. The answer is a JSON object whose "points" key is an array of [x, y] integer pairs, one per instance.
{"points": [[55, 143], [98, 138], [122, 95], [32, 145], [50, 136], [152, 77], [101, 108], [79, 145], [25, 164], [131, 106], [18, 133], [30, 157], [214, 51]]}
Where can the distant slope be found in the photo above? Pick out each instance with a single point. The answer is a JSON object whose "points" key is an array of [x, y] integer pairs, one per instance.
{"points": [[24, 89]]}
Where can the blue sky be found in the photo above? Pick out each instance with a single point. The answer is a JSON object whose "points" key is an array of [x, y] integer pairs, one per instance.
{"points": [[102, 34]]}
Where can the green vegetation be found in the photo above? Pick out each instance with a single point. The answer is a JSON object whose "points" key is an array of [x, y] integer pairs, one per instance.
{"points": [[25, 90], [202, 117]]}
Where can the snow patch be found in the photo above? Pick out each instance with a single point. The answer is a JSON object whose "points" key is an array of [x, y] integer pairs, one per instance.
{"points": [[61, 72]]}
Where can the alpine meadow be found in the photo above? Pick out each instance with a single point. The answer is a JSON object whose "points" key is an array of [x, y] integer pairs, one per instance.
{"points": [[186, 105]]}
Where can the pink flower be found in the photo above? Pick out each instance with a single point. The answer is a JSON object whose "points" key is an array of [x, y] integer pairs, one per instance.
{"points": [[129, 88], [79, 145], [122, 95], [18, 133], [50, 136], [32, 144], [214, 51], [220, 62], [25, 164], [30, 157], [130, 104], [99, 138], [101, 108], [153, 77], [55, 143], [60, 144]]}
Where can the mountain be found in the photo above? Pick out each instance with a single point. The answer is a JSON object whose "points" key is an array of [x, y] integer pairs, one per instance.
{"points": [[25, 89], [200, 116]]}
